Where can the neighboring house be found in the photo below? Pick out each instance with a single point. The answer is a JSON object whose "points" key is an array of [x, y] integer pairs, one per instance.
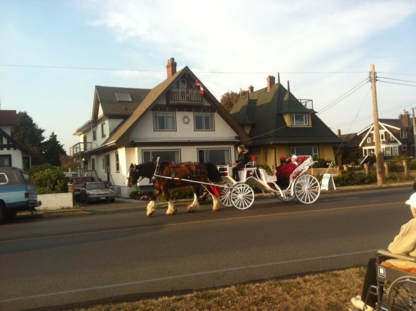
{"points": [[12, 151], [281, 125], [396, 137], [179, 120], [348, 151]]}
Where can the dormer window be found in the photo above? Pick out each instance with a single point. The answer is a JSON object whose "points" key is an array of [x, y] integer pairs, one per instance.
{"points": [[299, 120], [123, 97]]}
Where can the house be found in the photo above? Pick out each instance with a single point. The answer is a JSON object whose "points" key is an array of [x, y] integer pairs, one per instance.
{"points": [[280, 125], [12, 151], [179, 120], [348, 151], [396, 137]]}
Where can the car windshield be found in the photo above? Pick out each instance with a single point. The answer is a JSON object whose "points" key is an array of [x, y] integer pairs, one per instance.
{"points": [[95, 186], [81, 180]]}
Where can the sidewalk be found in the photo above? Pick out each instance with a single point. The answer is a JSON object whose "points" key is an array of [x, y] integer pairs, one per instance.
{"points": [[124, 204]]}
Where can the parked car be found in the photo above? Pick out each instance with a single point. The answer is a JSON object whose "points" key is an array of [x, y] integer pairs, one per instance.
{"points": [[79, 183], [17, 193], [97, 191]]}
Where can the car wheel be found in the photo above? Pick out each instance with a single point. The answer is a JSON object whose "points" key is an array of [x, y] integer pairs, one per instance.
{"points": [[3, 213], [11, 214]]}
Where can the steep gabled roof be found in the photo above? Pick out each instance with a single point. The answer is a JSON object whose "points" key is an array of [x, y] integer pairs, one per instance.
{"points": [[121, 136], [114, 107], [264, 110], [8, 118], [16, 143]]}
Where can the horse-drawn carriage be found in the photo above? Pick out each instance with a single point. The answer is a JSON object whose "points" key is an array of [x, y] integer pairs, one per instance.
{"points": [[221, 186]]}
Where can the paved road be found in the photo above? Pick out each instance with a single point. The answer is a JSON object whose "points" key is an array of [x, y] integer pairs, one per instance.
{"points": [[50, 262]]}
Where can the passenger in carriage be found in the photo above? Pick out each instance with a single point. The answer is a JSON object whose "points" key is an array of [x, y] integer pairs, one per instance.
{"points": [[243, 158], [284, 170], [403, 244]]}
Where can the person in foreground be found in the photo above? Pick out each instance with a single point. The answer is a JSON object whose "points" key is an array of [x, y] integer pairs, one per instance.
{"points": [[403, 244], [243, 158]]}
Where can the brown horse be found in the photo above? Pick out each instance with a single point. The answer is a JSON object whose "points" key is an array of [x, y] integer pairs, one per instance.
{"points": [[172, 175]]}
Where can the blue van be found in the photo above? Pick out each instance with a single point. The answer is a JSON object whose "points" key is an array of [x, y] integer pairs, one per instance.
{"points": [[17, 193]]}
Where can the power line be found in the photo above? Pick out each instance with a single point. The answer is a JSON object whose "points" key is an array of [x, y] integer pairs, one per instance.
{"points": [[396, 83], [396, 79]]}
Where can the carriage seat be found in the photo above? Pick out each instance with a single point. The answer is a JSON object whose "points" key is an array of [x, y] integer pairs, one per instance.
{"points": [[304, 162]]}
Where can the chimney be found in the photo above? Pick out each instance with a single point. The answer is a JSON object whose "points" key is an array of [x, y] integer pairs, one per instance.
{"points": [[339, 133], [270, 82], [171, 67], [250, 89]]}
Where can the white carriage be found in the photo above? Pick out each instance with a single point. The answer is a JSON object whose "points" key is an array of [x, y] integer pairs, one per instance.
{"points": [[305, 187]]}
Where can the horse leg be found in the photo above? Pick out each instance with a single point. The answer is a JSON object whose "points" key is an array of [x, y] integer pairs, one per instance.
{"points": [[171, 207], [195, 204], [215, 201], [151, 206]]}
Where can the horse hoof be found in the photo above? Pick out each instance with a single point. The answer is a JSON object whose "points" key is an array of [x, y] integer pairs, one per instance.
{"points": [[150, 213]]}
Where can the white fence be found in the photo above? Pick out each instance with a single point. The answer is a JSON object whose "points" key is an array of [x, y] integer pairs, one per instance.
{"points": [[56, 201]]}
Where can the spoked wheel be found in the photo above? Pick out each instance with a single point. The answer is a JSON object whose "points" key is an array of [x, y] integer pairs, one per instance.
{"points": [[242, 196], [402, 294], [307, 189], [225, 196]]}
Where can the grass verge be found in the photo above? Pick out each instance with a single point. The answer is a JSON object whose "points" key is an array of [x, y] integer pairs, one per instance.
{"points": [[330, 291]]}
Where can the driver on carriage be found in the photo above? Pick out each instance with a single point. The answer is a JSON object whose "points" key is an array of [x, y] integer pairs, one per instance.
{"points": [[243, 158]]}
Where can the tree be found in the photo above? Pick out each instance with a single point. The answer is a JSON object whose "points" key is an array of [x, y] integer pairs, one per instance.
{"points": [[28, 132], [52, 150], [229, 99]]}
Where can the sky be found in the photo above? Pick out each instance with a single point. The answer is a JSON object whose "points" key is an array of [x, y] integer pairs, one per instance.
{"points": [[54, 52]]}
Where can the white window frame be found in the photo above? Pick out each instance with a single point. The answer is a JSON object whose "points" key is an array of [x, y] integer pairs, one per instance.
{"points": [[205, 127], [368, 139], [103, 130], [296, 150], [387, 151], [156, 125], [148, 155], [211, 158], [299, 119], [395, 150], [403, 133], [117, 163]]}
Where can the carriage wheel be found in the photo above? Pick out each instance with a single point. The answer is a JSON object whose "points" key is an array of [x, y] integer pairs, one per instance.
{"points": [[225, 197], [402, 294], [307, 189], [242, 196]]}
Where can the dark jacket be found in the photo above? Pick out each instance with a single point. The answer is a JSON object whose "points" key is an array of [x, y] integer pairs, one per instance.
{"points": [[243, 158]]}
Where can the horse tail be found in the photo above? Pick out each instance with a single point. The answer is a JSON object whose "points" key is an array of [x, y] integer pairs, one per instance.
{"points": [[212, 172]]}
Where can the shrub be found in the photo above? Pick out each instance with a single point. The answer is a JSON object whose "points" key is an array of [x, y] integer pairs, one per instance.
{"points": [[48, 179], [321, 163], [393, 176]]}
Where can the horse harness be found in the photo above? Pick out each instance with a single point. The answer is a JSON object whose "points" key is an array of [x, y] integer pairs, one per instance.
{"points": [[198, 171]]}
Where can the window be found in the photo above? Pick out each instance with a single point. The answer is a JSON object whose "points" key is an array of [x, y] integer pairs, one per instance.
{"points": [[382, 137], [164, 155], [93, 164], [404, 147], [3, 179], [305, 150], [299, 119], [94, 135], [392, 138], [387, 151], [5, 160], [395, 151], [164, 121], [403, 134], [255, 150], [102, 130], [123, 97], [117, 163], [216, 156], [369, 139], [204, 121], [182, 83]]}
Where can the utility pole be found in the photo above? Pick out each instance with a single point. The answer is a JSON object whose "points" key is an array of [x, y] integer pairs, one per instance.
{"points": [[381, 178], [414, 130]]}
